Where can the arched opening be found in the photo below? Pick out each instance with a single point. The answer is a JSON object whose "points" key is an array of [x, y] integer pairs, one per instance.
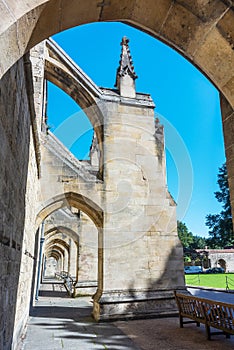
{"points": [[73, 81], [61, 246], [76, 200], [205, 42], [81, 243], [71, 119], [200, 34], [62, 229], [61, 226], [57, 247], [62, 253]]}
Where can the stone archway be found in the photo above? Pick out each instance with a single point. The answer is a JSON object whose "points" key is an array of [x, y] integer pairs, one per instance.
{"points": [[83, 251], [62, 260], [91, 209], [62, 72], [200, 31], [55, 229], [74, 200]]}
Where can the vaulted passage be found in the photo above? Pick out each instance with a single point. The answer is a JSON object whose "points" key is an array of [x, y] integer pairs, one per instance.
{"points": [[127, 213]]}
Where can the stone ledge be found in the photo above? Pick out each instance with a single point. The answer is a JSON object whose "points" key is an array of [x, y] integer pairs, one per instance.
{"points": [[116, 305], [142, 100]]}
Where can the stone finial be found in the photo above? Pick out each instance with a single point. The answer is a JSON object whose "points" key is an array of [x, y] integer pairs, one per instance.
{"points": [[125, 77]]}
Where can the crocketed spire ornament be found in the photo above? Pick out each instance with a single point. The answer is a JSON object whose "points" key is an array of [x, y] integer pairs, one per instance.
{"points": [[125, 77]]}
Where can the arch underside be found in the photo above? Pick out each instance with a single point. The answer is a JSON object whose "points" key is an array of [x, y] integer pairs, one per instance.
{"points": [[57, 248], [65, 74], [54, 254], [62, 229], [201, 31], [57, 242], [73, 200]]}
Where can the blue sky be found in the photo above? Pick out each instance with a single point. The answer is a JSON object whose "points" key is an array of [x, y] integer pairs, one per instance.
{"points": [[184, 98]]}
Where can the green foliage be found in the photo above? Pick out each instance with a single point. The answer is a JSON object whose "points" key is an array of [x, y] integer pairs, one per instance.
{"points": [[185, 236], [190, 244], [198, 242], [187, 239], [220, 225]]}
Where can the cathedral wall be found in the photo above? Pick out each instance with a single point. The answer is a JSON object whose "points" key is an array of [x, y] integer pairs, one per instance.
{"points": [[30, 248], [15, 193]]}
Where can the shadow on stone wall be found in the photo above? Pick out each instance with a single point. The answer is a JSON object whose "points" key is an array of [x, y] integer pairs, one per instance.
{"points": [[157, 299], [14, 156]]}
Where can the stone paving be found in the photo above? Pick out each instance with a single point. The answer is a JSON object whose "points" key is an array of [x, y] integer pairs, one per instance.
{"points": [[59, 322]]}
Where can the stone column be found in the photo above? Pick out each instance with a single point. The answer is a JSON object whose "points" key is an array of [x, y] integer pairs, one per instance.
{"points": [[77, 268], [69, 257], [73, 254], [228, 132], [88, 256], [65, 262], [60, 263]]}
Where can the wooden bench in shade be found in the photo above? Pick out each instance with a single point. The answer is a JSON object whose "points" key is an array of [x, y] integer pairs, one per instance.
{"points": [[213, 314]]}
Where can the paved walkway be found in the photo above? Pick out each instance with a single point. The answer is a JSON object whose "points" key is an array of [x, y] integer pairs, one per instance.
{"points": [[60, 322]]}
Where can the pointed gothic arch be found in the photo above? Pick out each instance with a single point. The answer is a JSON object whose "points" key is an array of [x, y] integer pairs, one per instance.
{"points": [[63, 229], [76, 200], [90, 208], [202, 33], [66, 75], [194, 31], [57, 242]]}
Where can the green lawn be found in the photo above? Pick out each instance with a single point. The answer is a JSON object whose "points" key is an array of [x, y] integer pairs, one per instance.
{"points": [[216, 280]]}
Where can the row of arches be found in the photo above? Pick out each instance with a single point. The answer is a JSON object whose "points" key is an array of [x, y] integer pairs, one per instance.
{"points": [[72, 222], [71, 235]]}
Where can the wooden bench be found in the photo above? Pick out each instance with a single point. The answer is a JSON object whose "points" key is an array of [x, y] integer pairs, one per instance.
{"points": [[211, 313]]}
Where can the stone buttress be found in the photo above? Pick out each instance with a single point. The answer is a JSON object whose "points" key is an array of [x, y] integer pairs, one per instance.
{"points": [[142, 255]]}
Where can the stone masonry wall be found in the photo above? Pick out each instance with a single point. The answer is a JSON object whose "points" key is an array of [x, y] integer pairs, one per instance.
{"points": [[218, 255], [14, 155], [29, 258], [88, 256], [142, 253], [140, 221]]}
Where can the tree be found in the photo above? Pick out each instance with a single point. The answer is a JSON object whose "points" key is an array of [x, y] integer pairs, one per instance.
{"points": [[198, 242], [190, 244], [185, 236], [220, 225]]}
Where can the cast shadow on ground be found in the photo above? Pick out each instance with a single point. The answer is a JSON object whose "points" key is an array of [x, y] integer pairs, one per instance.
{"points": [[75, 323]]}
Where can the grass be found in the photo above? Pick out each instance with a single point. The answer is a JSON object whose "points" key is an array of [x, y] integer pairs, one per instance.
{"points": [[217, 280]]}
